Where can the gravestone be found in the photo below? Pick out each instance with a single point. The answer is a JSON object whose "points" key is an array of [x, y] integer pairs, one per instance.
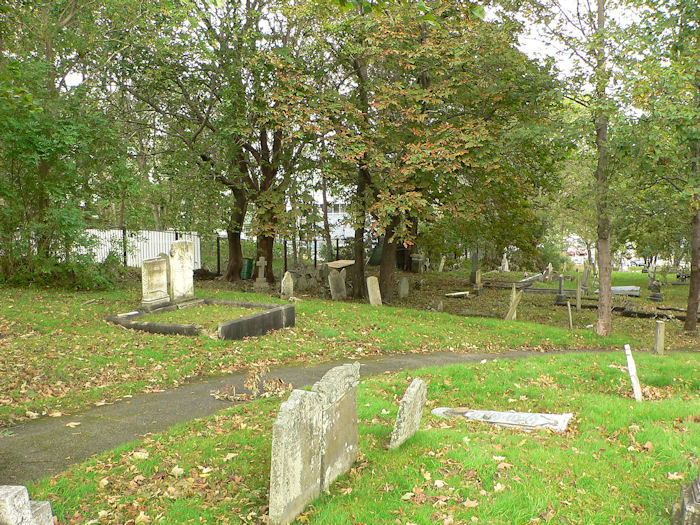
{"points": [[655, 292], [417, 263], [548, 273], [154, 283], [523, 420], [375, 296], [478, 286], [410, 413], [322, 273], [504, 264], [515, 297], [17, 509], [442, 264], [295, 466], [337, 285], [339, 437], [659, 337], [440, 307], [287, 287], [181, 271], [561, 296], [586, 277], [260, 282], [687, 511], [302, 283], [403, 287]]}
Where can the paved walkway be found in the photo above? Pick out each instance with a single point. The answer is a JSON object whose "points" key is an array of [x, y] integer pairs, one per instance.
{"points": [[47, 446]]}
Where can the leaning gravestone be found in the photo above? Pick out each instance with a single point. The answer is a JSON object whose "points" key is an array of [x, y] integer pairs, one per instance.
{"points": [[687, 511], [375, 296], [403, 287], [295, 466], [154, 283], [181, 271], [17, 509], [337, 285], [410, 413], [287, 287], [339, 438]]}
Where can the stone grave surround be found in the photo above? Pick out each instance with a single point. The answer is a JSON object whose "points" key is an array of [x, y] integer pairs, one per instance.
{"points": [[314, 440], [17, 509]]}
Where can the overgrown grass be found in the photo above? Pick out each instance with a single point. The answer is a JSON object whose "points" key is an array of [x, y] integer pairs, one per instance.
{"points": [[58, 353], [619, 462], [207, 315]]}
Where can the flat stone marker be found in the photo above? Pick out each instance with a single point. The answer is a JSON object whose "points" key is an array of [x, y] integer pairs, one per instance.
{"points": [[154, 283], [403, 287], [287, 286], [181, 271], [532, 278], [17, 509], [687, 511], [457, 294], [295, 466], [524, 420], [339, 438], [410, 413], [375, 296], [337, 285]]}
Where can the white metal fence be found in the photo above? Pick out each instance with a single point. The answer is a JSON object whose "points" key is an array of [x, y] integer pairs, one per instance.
{"points": [[141, 245]]}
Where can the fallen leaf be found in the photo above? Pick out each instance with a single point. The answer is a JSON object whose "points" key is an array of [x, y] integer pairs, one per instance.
{"points": [[177, 471], [55, 413], [140, 454], [73, 424], [499, 487], [439, 483], [674, 475], [31, 415], [104, 482], [470, 503]]}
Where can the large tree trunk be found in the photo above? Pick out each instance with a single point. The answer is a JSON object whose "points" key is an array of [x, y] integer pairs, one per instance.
{"points": [[235, 252], [388, 262], [604, 317], [691, 315], [359, 285]]}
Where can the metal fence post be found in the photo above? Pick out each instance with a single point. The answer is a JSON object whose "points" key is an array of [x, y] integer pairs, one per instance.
{"points": [[124, 244]]}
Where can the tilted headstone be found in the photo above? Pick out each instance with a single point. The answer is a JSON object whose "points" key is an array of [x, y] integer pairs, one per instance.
{"points": [[410, 413], [515, 297], [375, 296], [17, 509], [687, 511], [287, 286], [154, 283], [339, 437], [403, 287], [632, 370], [295, 466], [181, 271], [442, 264], [337, 285]]}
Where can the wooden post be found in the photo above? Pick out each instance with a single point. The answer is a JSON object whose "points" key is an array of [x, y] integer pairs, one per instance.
{"points": [[568, 308], [632, 369], [578, 293], [659, 339]]}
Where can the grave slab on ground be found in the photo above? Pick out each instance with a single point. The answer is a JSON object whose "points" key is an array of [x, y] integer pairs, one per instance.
{"points": [[522, 420]]}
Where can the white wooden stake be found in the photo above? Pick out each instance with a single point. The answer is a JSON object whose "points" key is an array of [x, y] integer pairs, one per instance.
{"points": [[632, 369]]}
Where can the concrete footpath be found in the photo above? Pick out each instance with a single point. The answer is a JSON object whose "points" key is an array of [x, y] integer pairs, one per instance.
{"points": [[46, 446]]}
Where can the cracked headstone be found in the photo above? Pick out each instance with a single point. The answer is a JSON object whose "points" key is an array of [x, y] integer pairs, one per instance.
{"points": [[410, 413]]}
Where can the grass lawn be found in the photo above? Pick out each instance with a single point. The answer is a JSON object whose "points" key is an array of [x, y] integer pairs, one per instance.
{"points": [[57, 354], [619, 462], [208, 316]]}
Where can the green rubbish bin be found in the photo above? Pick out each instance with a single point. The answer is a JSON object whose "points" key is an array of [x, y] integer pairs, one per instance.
{"points": [[247, 269]]}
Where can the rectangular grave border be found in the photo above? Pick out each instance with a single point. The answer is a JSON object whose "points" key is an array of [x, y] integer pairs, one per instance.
{"points": [[274, 317]]}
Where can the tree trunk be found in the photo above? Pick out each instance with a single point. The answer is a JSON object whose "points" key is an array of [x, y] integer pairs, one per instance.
{"points": [[326, 226], [475, 263], [235, 252], [388, 261], [691, 314], [359, 285], [604, 316]]}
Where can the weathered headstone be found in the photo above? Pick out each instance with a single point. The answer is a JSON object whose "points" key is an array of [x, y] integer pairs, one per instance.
{"points": [[17, 509], [548, 274], [515, 297], [478, 286], [260, 282], [154, 283], [561, 296], [442, 263], [632, 370], [410, 413], [375, 296], [287, 286], [578, 293], [687, 511], [659, 337], [586, 276], [440, 307], [339, 437], [337, 285], [417, 263], [403, 287], [655, 292], [343, 275], [181, 271], [504, 264], [295, 466]]}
